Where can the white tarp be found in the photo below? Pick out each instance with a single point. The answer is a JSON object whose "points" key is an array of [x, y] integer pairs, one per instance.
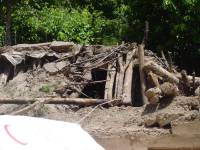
{"points": [[29, 133]]}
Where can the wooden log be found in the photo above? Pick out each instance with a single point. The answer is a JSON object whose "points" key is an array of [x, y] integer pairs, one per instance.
{"points": [[121, 77], [107, 82], [169, 89], [127, 87], [111, 84], [53, 100], [185, 84], [153, 95], [155, 68], [116, 84], [141, 67], [152, 80], [190, 78], [164, 90]]}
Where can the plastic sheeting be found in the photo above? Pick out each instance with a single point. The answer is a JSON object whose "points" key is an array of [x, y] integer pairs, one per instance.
{"points": [[28, 133]]}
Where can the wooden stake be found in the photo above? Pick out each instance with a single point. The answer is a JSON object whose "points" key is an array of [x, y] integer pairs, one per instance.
{"points": [[141, 66]]}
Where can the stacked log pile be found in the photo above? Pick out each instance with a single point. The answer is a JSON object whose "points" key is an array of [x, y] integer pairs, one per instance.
{"points": [[127, 66]]}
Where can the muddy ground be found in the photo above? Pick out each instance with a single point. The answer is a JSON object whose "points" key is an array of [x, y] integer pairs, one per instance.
{"points": [[117, 125]]}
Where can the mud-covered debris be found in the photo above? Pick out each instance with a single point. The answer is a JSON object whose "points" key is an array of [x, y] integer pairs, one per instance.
{"points": [[62, 47], [166, 118], [51, 68]]}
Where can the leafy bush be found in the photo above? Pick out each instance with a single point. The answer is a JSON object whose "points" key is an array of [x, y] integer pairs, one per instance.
{"points": [[49, 24], [2, 35]]}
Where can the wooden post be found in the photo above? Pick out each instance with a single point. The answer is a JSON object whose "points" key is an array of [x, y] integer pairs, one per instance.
{"points": [[121, 77], [141, 66], [107, 82], [111, 83]]}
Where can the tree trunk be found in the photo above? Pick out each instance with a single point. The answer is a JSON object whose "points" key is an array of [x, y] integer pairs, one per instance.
{"points": [[8, 22]]}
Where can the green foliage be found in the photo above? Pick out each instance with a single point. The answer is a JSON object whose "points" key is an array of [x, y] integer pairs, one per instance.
{"points": [[47, 88], [174, 24], [2, 35], [64, 24]]}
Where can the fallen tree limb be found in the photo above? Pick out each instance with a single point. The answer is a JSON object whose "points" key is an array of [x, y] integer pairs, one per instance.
{"points": [[53, 100], [155, 68]]}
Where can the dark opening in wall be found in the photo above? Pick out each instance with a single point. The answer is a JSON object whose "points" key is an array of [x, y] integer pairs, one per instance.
{"points": [[7, 69], [96, 90], [136, 88]]}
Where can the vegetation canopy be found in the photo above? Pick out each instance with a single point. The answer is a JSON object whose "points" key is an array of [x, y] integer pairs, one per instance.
{"points": [[174, 25]]}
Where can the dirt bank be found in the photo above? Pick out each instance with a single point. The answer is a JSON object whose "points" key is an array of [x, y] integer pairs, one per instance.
{"points": [[120, 121]]}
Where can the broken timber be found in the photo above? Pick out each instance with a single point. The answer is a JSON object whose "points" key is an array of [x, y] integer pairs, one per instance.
{"points": [[122, 66]]}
